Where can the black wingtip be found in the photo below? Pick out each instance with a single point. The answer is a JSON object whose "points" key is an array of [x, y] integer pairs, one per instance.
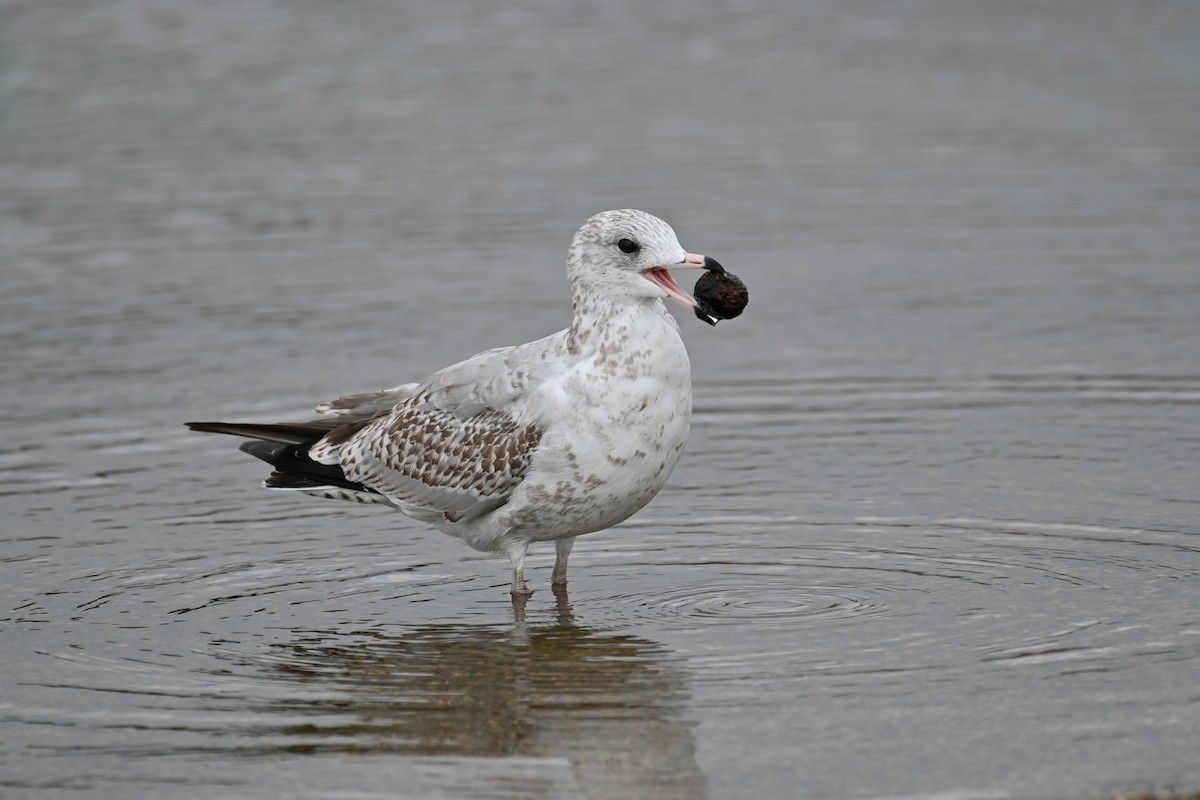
{"points": [[294, 469], [270, 452]]}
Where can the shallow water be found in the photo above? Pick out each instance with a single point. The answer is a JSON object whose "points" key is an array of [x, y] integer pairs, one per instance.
{"points": [[934, 534]]}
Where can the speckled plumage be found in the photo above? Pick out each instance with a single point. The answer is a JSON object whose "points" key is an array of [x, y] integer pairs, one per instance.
{"points": [[542, 441]]}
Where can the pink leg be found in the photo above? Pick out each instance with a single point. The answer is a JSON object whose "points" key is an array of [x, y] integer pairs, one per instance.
{"points": [[518, 580], [563, 549]]}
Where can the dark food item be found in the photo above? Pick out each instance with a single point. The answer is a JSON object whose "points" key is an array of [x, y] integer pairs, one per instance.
{"points": [[721, 294]]}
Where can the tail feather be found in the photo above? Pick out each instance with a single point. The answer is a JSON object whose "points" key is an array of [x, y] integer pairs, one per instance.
{"points": [[284, 445], [280, 432]]}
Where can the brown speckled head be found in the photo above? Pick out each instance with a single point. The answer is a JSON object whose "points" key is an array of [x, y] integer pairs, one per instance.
{"points": [[623, 256]]}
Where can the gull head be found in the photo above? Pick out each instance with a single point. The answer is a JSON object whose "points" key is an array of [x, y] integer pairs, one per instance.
{"points": [[625, 254]]}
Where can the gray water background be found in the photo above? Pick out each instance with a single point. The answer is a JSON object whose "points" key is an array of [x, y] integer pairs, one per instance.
{"points": [[935, 533]]}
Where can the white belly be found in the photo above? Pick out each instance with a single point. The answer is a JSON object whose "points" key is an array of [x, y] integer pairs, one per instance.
{"points": [[622, 421]]}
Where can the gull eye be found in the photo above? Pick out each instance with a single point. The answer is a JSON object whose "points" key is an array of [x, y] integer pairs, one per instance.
{"points": [[628, 246]]}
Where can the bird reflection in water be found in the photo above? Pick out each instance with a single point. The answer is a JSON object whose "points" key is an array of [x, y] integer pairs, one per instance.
{"points": [[611, 703]]}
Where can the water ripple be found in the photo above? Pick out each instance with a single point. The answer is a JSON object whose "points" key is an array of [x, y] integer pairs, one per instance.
{"points": [[753, 599]]}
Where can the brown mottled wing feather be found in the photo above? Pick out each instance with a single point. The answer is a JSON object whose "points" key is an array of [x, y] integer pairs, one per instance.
{"points": [[368, 405], [433, 463]]}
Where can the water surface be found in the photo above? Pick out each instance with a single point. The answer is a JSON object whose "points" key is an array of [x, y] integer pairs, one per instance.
{"points": [[935, 531]]}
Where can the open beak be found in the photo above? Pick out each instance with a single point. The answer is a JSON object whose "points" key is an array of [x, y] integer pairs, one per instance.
{"points": [[662, 279]]}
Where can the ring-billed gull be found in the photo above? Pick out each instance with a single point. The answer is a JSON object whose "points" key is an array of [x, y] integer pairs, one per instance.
{"points": [[543, 441]]}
